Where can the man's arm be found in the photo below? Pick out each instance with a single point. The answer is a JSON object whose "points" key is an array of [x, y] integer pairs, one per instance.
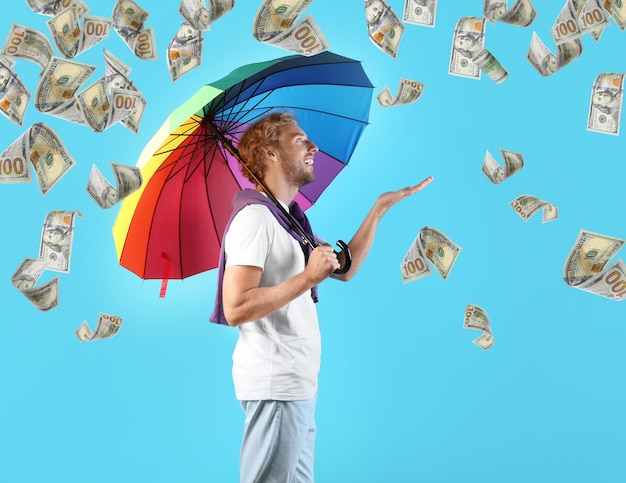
{"points": [[245, 301], [362, 240]]}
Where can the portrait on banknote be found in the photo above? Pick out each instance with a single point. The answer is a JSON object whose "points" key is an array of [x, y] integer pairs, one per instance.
{"points": [[373, 12]]}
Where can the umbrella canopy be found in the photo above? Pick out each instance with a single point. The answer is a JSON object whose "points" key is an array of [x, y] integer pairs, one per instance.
{"points": [[172, 227]]}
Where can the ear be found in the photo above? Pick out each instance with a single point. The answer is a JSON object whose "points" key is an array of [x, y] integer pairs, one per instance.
{"points": [[270, 154]]}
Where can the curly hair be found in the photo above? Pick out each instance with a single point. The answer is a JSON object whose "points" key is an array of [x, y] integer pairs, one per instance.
{"points": [[257, 138]]}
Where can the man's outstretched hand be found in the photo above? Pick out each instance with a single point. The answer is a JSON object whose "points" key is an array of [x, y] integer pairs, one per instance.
{"points": [[387, 200]]}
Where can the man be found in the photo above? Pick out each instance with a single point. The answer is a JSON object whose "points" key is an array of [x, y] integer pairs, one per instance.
{"points": [[268, 289]]}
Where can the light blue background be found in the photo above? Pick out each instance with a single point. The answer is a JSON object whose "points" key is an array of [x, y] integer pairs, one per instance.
{"points": [[405, 396]]}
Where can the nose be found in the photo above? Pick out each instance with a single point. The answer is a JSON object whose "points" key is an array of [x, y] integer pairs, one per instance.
{"points": [[312, 146]]}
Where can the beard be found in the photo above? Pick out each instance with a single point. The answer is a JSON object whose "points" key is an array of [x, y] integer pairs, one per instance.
{"points": [[296, 174]]}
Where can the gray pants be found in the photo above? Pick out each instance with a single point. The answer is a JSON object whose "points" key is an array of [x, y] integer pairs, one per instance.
{"points": [[278, 441]]}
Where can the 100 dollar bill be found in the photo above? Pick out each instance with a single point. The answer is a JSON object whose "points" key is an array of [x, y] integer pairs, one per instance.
{"points": [[408, 92], [384, 27], [430, 244], [527, 205], [467, 41], [605, 105], [57, 239], [477, 318], [14, 96], [27, 43], [106, 327], [420, 12], [585, 267], [44, 149], [274, 25], [513, 162], [128, 180], [45, 296]]}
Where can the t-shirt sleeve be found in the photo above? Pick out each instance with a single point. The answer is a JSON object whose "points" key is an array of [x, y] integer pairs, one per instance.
{"points": [[249, 237]]}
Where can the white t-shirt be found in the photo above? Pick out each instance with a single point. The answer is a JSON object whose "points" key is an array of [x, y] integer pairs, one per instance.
{"points": [[278, 356]]}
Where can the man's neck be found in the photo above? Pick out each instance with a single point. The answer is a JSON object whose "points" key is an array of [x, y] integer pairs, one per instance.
{"points": [[281, 191]]}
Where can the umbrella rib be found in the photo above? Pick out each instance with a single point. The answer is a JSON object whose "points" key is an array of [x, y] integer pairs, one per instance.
{"points": [[309, 109], [193, 124], [201, 139], [208, 164], [235, 120]]}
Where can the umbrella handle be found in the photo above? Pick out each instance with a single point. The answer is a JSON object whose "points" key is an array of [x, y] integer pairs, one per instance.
{"points": [[347, 257]]}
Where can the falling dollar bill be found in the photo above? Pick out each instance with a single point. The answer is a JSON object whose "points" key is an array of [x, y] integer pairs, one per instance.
{"points": [[144, 45], [7, 60], [545, 62], [218, 8], [42, 146], [585, 267], [14, 96], [57, 238], [103, 106], [605, 105], [468, 40], [106, 327], [45, 296], [196, 14], [66, 31], [274, 25], [487, 63], [420, 12], [59, 82], [592, 17], [477, 318], [114, 66], [129, 20], [527, 205], [95, 104], [51, 8], [50, 159], [522, 13], [408, 92], [617, 9], [116, 73], [513, 162], [125, 103], [133, 120], [414, 265], [70, 38], [433, 245], [128, 180], [14, 166], [566, 25], [184, 52], [199, 17], [27, 43], [384, 27], [579, 17]]}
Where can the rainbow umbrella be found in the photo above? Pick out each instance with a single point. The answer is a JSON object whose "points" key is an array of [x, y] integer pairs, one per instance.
{"points": [[172, 227]]}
